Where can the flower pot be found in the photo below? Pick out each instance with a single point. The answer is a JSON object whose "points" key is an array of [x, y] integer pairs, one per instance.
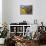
{"points": [[2, 40]]}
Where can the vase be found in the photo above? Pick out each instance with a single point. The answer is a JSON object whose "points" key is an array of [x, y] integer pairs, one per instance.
{"points": [[2, 40]]}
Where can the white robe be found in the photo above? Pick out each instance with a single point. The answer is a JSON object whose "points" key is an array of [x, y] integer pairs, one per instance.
{"points": [[31, 30]]}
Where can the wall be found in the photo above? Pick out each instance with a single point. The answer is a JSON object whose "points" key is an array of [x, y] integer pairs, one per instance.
{"points": [[0, 13], [40, 11], [4, 11], [12, 11], [14, 8]]}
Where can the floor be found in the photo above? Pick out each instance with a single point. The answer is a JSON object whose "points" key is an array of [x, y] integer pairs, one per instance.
{"points": [[42, 45], [33, 45], [1, 45], [36, 44]]}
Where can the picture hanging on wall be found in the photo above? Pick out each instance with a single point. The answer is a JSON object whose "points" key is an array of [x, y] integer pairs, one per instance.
{"points": [[25, 9]]}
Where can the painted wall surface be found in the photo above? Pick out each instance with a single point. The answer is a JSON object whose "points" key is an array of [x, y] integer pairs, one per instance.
{"points": [[0, 13], [12, 11]]}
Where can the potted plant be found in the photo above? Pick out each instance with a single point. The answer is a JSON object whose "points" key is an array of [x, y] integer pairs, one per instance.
{"points": [[3, 34]]}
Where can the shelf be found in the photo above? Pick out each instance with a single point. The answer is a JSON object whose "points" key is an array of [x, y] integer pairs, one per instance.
{"points": [[23, 25], [20, 29], [19, 32], [16, 32], [12, 32]]}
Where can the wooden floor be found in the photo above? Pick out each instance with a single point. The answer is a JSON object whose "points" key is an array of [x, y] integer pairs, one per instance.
{"points": [[42, 45], [32, 45], [1, 45], [36, 44]]}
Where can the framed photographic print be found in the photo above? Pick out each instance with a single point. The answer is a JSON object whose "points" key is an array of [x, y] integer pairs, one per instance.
{"points": [[25, 9]]}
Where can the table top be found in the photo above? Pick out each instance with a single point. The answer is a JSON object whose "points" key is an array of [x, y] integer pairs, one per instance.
{"points": [[22, 40]]}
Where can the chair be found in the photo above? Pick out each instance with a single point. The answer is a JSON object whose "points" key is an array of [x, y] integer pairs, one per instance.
{"points": [[9, 42], [42, 37]]}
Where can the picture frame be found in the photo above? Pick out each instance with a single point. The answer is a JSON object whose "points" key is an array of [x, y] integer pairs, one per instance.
{"points": [[26, 9]]}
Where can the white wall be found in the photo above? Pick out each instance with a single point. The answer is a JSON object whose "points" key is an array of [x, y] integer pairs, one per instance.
{"points": [[4, 11], [0, 13], [40, 11], [12, 11], [15, 11]]}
